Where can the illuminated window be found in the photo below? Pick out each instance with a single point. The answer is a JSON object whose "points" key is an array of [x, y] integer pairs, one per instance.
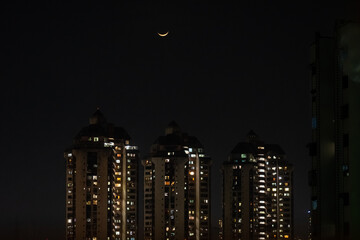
{"points": [[96, 139]]}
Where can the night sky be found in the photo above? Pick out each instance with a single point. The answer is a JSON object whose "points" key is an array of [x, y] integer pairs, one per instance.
{"points": [[224, 68]]}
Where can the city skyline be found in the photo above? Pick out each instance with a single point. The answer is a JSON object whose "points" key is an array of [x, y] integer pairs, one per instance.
{"points": [[223, 69], [102, 188]]}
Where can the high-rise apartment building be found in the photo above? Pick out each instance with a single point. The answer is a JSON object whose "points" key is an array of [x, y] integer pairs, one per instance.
{"points": [[101, 183], [177, 188], [257, 192], [335, 89]]}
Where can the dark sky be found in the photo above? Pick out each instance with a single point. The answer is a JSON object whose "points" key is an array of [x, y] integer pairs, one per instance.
{"points": [[224, 68]]}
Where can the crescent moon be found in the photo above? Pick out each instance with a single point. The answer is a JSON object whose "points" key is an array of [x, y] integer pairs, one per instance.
{"points": [[163, 34]]}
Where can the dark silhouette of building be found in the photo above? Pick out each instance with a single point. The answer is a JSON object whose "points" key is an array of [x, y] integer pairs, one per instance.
{"points": [[335, 152], [101, 183], [257, 192]]}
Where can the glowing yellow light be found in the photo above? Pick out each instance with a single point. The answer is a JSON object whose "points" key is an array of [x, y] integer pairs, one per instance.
{"points": [[163, 34]]}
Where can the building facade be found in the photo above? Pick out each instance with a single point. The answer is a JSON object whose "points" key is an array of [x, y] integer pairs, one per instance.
{"points": [[257, 192], [101, 183], [177, 188], [335, 89]]}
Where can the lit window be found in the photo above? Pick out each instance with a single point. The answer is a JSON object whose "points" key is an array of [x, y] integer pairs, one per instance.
{"points": [[96, 139]]}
